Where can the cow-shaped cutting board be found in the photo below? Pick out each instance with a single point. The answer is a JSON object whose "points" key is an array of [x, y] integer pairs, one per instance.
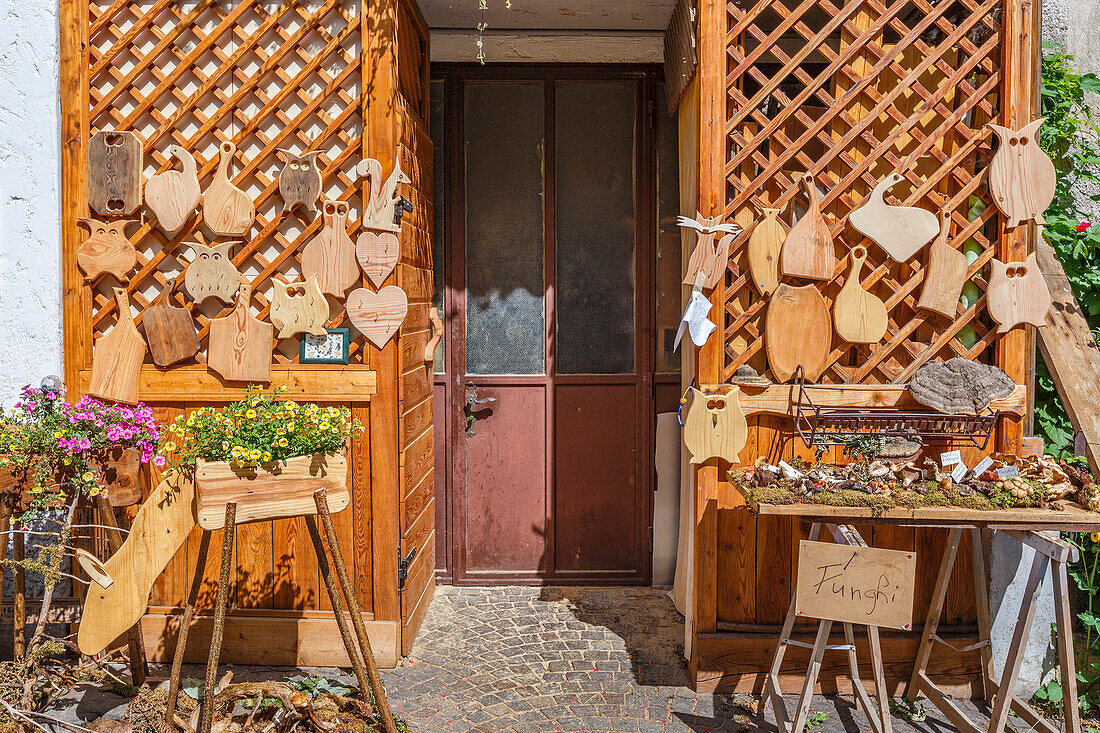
{"points": [[944, 275], [106, 250], [378, 315], [860, 317], [901, 231], [330, 256], [1017, 294], [1021, 176], [117, 357], [169, 330], [377, 253], [114, 173], [239, 348], [227, 211], [764, 248], [298, 307], [797, 331], [173, 196], [808, 251]]}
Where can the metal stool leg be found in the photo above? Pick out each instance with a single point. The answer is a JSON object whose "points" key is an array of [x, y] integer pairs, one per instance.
{"points": [[229, 534]]}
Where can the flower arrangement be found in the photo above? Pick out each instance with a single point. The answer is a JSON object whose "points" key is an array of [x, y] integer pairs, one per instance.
{"points": [[261, 428]]}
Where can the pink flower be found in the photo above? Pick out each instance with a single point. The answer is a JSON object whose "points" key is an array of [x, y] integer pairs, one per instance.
{"points": [[158, 461], [1083, 226]]}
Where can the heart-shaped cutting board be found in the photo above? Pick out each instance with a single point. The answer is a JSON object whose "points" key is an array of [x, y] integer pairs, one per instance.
{"points": [[377, 254], [378, 315]]}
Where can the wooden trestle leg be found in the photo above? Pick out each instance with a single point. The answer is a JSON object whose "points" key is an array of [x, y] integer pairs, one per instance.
{"points": [[185, 627], [229, 534]]}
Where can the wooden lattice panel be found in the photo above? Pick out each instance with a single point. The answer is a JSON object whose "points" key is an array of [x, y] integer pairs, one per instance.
{"points": [[852, 91], [264, 75]]}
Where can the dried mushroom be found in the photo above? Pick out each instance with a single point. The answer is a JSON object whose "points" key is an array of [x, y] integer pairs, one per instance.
{"points": [[959, 386]]}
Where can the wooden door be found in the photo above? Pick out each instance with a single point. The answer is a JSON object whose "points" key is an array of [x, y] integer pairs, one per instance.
{"points": [[550, 347]]}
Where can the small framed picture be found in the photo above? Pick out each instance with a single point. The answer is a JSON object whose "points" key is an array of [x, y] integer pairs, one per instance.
{"points": [[332, 348]]}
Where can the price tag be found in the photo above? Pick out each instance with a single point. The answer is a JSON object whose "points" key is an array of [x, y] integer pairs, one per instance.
{"points": [[959, 472], [950, 458], [983, 466], [1008, 472]]}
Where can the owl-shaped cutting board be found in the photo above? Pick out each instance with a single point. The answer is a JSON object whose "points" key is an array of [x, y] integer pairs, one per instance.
{"points": [[211, 273], [117, 357], [901, 231], [764, 248], [298, 307], [1021, 176], [797, 331], [300, 182], [808, 251], [227, 211], [1017, 294], [239, 348], [173, 196], [106, 250], [330, 256], [860, 317], [944, 275], [114, 173], [169, 330], [714, 426]]}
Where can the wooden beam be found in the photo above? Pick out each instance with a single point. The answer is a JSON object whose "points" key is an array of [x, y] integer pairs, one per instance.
{"points": [[779, 399], [324, 384]]}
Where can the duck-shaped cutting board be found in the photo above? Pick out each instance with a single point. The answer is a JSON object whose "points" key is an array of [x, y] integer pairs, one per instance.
{"points": [[764, 247], [860, 317], [1021, 175], [1017, 294], [240, 344], [114, 173], [169, 330], [797, 331], [708, 258], [298, 307], [227, 211], [117, 357], [901, 231], [714, 426], [173, 196], [330, 256], [808, 251], [106, 250], [945, 274]]}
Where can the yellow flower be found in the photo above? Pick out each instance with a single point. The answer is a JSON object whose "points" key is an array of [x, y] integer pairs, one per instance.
{"points": [[251, 414], [290, 425], [67, 460], [88, 475], [282, 442], [1095, 536], [58, 434]]}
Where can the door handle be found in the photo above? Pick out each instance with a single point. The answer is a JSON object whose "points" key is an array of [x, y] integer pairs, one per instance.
{"points": [[473, 406]]}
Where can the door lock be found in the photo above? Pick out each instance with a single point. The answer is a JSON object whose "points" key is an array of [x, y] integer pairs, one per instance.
{"points": [[474, 406]]}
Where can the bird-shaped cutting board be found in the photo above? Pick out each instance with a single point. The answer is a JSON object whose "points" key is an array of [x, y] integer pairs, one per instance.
{"points": [[764, 247], [945, 274], [1017, 294], [714, 426], [797, 331], [173, 196], [239, 348], [1021, 176], [169, 330], [860, 317], [117, 357], [808, 251], [901, 231], [227, 211], [330, 256]]}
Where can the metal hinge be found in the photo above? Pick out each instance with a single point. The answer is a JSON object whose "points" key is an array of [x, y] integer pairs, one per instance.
{"points": [[403, 569]]}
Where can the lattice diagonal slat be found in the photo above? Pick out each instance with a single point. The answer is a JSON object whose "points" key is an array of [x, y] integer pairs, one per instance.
{"points": [[852, 91]]}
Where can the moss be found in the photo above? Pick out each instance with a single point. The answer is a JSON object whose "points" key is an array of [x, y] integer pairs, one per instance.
{"points": [[897, 499]]}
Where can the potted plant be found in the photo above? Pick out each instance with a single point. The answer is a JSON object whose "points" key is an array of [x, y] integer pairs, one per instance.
{"points": [[266, 454]]}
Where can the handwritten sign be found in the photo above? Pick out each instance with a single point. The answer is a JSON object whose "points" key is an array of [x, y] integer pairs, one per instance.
{"points": [[862, 585]]}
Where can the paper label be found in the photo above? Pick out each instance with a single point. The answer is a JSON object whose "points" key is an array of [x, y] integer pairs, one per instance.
{"points": [[959, 472], [950, 458], [983, 466], [1008, 472]]}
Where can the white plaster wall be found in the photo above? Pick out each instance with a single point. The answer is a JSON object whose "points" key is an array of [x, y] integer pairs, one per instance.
{"points": [[30, 230]]}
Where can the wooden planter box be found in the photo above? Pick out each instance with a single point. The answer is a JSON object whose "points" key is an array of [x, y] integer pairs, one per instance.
{"points": [[271, 490]]}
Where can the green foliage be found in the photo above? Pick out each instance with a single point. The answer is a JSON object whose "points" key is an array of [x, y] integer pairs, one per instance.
{"points": [[906, 709], [1084, 574], [314, 686], [816, 718]]}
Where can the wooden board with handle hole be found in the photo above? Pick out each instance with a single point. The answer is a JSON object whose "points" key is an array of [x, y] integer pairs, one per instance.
{"points": [[808, 251], [797, 331], [714, 426], [330, 256], [239, 348], [169, 329], [944, 275], [114, 172], [117, 357], [1022, 177], [227, 211], [860, 317]]}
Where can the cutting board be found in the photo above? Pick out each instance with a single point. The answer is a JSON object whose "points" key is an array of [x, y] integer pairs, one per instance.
{"points": [[106, 250], [211, 273], [1017, 294], [377, 254], [173, 196], [300, 181], [764, 248], [714, 426], [378, 315], [330, 256], [239, 348], [227, 211], [901, 231], [945, 274], [797, 330], [1021, 176], [860, 317], [298, 307], [114, 173], [117, 357], [808, 251], [169, 330], [159, 529]]}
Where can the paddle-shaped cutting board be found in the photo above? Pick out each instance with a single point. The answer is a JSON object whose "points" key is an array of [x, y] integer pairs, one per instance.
{"points": [[764, 247], [106, 250], [330, 256], [173, 196], [378, 315], [117, 357], [945, 274], [860, 317], [377, 253], [239, 348], [1021, 176], [797, 330], [1017, 294], [808, 251], [901, 231], [169, 330], [227, 211], [714, 426], [114, 173]]}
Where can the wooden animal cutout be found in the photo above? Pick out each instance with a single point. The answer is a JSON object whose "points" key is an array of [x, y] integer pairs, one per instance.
{"points": [[169, 330], [1017, 294], [901, 231], [808, 251], [708, 258], [298, 307], [106, 250], [764, 247], [859, 316], [117, 357], [173, 196], [380, 211], [114, 173], [239, 348], [714, 426], [378, 315], [797, 331], [212, 273], [300, 181], [944, 275], [377, 253], [227, 211], [1021, 175], [330, 256]]}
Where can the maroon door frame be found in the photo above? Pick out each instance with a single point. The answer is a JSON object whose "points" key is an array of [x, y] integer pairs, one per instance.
{"points": [[450, 386]]}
